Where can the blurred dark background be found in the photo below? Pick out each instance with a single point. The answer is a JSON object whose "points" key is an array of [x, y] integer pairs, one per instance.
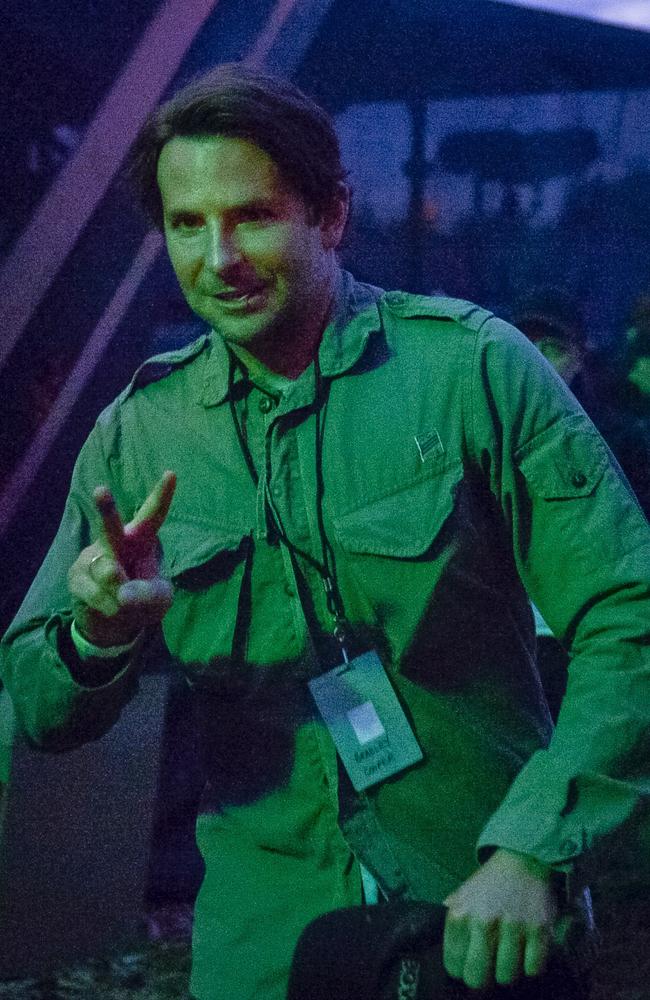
{"points": [[493, 150]]}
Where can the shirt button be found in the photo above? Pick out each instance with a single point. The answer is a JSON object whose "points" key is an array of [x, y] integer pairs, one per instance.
{"points": [[569, 848], [579, 480], [266, 404], [289, 590]]}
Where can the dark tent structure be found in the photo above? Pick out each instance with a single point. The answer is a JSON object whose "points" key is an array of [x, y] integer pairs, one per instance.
{"points": [[416, 51], [396, 50]]}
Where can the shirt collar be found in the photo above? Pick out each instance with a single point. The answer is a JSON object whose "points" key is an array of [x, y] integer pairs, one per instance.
{"points": [[354, 317]]}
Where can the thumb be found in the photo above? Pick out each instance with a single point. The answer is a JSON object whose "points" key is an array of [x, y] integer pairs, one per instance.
{"points": [[155, 591]]}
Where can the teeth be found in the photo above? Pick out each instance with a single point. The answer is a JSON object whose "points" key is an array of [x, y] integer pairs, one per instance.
{"points": [[238, 296]]}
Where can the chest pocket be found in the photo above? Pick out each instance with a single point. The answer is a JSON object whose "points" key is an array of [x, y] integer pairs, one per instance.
{"points": [[404, 524], [394, 553], [207, 565]]}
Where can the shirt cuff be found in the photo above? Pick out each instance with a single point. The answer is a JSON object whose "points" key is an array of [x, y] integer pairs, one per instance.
{"points": [[86, 649]]}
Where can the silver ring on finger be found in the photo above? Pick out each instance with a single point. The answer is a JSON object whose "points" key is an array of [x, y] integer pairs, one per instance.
{"points": [[95, 559]]}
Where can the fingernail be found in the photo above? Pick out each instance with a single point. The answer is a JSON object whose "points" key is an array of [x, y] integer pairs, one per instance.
{"points": [[144, 590], [133, 590], [104, 499]]}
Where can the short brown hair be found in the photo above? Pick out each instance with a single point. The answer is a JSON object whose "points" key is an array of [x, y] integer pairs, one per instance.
{"points": [[233, 100]]}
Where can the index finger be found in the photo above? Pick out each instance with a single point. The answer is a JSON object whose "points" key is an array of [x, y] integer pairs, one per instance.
{"points": [[111, 521], [155, 508], [454, 945], [479, 956], [537, 948]]}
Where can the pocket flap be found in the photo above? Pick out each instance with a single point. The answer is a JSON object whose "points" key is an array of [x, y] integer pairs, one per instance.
{"points": [[188, 544], [566, 461], [403, 524]]}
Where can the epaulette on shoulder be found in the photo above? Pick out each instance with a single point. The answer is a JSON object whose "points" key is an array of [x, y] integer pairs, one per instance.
{"points": [[161, 365], [437, 307]]}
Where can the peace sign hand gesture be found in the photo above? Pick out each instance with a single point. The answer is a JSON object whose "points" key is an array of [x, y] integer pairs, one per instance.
{"points": [[115, 583]]}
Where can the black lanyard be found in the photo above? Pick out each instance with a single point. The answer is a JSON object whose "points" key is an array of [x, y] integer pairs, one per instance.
{"points": [[327, 568], [243, 443]]}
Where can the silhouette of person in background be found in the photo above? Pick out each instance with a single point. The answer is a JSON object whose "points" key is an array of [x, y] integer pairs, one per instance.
{"points": [[638, 360], [615, 400]]}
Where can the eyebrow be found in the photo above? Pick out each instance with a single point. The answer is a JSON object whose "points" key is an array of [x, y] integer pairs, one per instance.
{"points": [[254, 203]]}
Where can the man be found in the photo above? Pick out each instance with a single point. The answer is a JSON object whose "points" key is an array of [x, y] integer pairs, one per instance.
{"points": [[338, 497], [553, 321], [638, 359]]}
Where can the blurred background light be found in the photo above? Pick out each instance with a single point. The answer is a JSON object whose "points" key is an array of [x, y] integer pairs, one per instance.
{"points": [[627, 13]]}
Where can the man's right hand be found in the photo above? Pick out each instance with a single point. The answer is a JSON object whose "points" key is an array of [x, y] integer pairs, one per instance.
{"points": [[115, 583]]}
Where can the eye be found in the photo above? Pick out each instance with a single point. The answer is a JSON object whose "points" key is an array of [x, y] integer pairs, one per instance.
{"points": [[186, 221], [256, 213]]}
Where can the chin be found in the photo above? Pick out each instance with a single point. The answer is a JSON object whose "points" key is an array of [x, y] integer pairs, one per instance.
{"points": [[246, 330]]}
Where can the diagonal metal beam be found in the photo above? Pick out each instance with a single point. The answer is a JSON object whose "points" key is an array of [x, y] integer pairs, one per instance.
{"points": [[24, 474], [300, 27], [282, 20], [53, 230], [284, 39]]}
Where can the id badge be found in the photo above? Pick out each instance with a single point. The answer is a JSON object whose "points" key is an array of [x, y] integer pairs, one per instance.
{"points": [[366, 721]]}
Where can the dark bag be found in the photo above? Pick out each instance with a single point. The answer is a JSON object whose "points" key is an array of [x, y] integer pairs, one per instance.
{"points": [[394, 952]]}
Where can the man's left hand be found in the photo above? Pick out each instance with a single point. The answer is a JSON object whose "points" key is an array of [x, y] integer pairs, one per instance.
{"points": [[500, 921]]}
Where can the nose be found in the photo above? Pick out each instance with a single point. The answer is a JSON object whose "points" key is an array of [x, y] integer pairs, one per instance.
{"points": [[220, 248]]}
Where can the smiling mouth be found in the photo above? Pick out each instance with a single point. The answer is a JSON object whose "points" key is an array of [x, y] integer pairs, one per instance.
{"points": [[237, 301], [240, 295]]}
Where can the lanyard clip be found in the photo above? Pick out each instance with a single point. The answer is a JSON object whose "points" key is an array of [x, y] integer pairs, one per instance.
{"points": [[341, 628], [340, 634]]}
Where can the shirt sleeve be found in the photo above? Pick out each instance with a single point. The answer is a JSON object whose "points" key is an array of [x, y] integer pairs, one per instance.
{"points": [[55, 710], [582, 549]]}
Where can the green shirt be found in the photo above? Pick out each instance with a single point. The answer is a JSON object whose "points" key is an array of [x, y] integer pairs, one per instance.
{"points": [[460, 481]]}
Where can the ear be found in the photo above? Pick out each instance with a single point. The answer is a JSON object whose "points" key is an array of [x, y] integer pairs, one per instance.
{"points": [[335, 217]]}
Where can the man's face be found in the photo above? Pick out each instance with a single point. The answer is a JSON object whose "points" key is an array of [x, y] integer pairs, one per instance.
{"points": [[566, 358], [247, 258], [640, 374]]}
